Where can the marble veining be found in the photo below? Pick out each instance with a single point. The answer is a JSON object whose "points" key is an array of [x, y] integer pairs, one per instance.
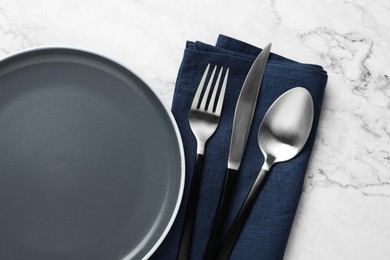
{"points": [[344, 210]]}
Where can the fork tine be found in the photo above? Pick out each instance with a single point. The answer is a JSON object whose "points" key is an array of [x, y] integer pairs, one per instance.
{"points": [[196, 99], [213, 100], [218, 109], [207, 91]]}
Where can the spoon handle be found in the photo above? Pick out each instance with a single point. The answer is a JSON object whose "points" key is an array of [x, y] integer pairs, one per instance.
{"points": [[239, 222], [220, 214]]}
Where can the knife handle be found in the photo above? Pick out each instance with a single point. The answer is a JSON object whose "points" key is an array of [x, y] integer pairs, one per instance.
{"points": [[220, 214], [239, 222], [189, 217]]}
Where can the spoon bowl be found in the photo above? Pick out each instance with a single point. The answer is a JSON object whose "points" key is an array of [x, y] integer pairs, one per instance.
{"points": [[283, 133], [286, 126]]}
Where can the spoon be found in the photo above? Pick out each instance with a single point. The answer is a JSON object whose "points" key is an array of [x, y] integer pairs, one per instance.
{"points": [[282, 135]]}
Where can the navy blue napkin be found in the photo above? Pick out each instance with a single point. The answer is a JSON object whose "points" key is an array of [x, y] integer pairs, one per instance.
{"points": [[267, 230]]}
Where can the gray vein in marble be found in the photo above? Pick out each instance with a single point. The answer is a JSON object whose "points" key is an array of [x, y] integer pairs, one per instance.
{"points": [[344, 43], [380, 187], [276, 14], [366, 17], [11, 34]]}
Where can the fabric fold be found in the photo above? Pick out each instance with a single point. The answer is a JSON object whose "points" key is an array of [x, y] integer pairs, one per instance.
{"points": [[266, 232]]}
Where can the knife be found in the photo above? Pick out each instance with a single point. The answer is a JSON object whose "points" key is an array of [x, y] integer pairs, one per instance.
{"points": [[243, 115]]}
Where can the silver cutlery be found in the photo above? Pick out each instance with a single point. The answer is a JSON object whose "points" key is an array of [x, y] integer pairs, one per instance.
{"points": [[242, 121], [204, 119], [283, 133]]}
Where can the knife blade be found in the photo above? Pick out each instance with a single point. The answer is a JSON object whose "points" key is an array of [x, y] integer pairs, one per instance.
{"points": [[242, 121]]}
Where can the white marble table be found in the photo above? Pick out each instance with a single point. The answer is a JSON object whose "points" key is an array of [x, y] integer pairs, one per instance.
{"points": [[344, 211]]}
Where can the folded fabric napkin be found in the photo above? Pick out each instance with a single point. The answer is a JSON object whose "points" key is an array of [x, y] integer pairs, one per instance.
{"points": [[267, 229]]}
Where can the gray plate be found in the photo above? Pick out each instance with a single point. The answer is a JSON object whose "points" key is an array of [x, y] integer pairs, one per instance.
{"points": [[91, 162]]}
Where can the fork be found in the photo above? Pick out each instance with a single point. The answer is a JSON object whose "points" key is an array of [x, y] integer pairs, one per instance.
{"points": [[204, 119]]}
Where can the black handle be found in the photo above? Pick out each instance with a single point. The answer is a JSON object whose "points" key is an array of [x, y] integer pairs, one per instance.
{"points": [[239, 222], [189, 217], [220, 214]]}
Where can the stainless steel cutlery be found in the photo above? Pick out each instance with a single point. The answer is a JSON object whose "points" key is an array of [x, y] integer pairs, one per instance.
{"points": [[245, 109], [283, 133], [204, 119]]}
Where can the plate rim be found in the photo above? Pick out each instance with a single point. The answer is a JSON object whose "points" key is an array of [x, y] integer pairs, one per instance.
{"points": [[160, 100]]}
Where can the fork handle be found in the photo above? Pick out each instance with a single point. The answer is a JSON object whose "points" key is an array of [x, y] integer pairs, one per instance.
{"points": [[220, 214], [189, 217]]}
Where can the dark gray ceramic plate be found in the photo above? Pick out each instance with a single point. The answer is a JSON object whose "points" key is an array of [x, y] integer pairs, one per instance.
{"points": [[91, 162]]}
